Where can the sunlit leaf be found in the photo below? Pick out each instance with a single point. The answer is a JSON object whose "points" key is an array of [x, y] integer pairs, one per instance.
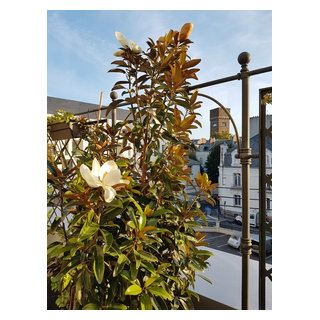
{"points": [[133, 290], [147, 256], [90, 306], [98, 264], [88, 229], [145, 301], [159, 291]]}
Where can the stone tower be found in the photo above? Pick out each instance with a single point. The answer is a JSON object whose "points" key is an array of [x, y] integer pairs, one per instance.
{"points": [[219, 120]]}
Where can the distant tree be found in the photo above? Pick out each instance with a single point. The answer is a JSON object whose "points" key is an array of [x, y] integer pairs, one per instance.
{"points": [[221, 136], [212, 163]]}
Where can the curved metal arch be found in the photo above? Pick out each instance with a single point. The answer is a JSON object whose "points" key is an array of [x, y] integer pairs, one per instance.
{"points": [[199, 94], [229, 115]]}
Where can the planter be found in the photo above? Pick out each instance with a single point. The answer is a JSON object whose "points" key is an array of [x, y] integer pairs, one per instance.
{"points": [[63, 130]]}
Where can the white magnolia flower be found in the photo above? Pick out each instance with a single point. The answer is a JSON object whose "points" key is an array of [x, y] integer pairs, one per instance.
{"points": [[106, 177], [124, 43]]}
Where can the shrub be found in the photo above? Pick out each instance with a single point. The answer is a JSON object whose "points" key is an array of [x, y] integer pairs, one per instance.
{"points": [[131, 243]]}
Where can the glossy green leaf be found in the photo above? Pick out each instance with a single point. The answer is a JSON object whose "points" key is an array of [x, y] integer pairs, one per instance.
{"points": [[53, 246], [149, 266], [164, 266], [57, 250], [137, 258], [122, 163], [204, 278], [108, 239], [133, 290], [137, 205], [112, 211], [160, 212], [147, 256], [159, 291], [98, 264], [150, 281], [86, 279], [131, 224], [133, 271], [142, 220], [175, 279], [65, 281], [204, 253], [88, 230], [192, 224], [55, 224], [203, 217], [90, 306], [145, 302], [116, 306], [120, 264], [79, 290], [117, 203], [132, 216]]}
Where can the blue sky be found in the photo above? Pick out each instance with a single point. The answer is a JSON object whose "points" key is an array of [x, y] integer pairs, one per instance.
{"points": [[80, 46]]}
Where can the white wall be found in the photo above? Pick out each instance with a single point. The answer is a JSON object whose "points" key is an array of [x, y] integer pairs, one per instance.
{"points": [[225, 273]]}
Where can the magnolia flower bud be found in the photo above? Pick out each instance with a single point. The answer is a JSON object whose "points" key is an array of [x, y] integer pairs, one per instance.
{"points": [[185, 31], [118, 53], [136, 49], [122, 39]]}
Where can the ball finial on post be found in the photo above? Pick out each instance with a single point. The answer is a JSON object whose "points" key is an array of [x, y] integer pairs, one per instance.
{"points": [[244, 58], [113, 95]]}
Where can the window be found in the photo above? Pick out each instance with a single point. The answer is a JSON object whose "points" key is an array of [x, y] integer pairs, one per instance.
{"points": [[237, 200], [268, 204], [223, 124], [236, 179]]}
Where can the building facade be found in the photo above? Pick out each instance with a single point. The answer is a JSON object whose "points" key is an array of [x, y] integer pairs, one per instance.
{"points": [[254, 124], [230, 184]]}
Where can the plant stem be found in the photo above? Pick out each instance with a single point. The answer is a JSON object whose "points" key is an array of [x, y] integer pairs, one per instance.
{"points": [[61, 212]]}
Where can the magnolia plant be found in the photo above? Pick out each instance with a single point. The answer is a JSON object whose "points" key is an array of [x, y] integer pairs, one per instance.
{"points": [[126, 224]]}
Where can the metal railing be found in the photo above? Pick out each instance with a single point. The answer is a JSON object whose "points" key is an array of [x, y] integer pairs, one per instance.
{"points": [[245, 156]]}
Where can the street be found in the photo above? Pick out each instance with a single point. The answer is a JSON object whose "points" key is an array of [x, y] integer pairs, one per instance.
{"points": [[218, 240]]}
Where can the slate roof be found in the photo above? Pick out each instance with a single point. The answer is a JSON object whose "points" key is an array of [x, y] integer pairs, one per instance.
{"points": [[193, 162], [254, 145], [53, 104]]}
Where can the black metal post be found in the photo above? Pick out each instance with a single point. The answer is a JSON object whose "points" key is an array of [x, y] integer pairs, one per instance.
{"points": [[245, 160]]}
